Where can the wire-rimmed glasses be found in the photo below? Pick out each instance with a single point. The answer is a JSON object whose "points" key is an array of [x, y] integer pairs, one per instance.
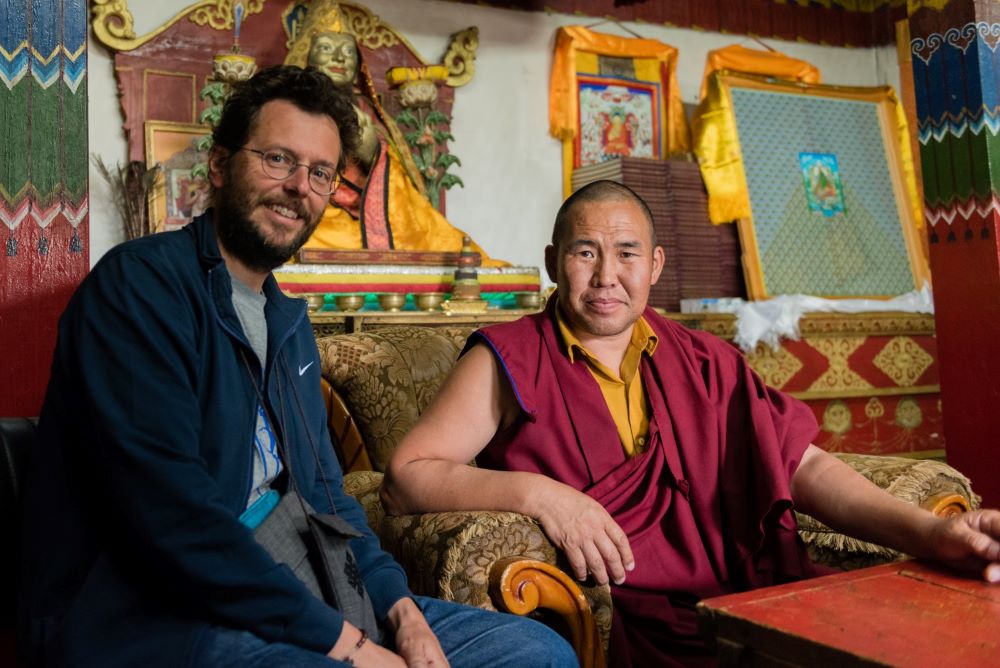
{"points": [[279, 165]]}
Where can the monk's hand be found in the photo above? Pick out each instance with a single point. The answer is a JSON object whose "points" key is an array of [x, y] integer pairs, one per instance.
{"points": [[415, 641], [969, 542], [591, 540]]}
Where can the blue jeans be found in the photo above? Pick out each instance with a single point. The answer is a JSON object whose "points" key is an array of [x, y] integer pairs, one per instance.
{"points": [[470, 637]]}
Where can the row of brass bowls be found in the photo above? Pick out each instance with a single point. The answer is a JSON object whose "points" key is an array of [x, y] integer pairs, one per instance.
{"points": [[394, 301]]}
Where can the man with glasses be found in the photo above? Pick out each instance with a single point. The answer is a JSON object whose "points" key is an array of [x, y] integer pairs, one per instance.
{"points": [[183, 401]]}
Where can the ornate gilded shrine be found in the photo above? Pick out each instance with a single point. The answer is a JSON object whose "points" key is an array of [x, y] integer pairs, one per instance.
{"points": [[388, 212], [161, 74]]}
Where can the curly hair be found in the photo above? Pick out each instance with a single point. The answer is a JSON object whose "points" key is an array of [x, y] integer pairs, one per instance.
{"points": [[308, 89]]}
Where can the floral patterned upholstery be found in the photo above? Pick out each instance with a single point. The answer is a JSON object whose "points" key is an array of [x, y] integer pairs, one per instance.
{"points": [[388, 376]]}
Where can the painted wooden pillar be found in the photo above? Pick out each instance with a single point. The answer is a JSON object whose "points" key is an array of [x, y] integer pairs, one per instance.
{"points": [[956, 69], [43, 186]]}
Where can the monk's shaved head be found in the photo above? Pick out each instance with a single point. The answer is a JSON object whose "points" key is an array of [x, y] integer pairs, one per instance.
{"points": [[598, 191]]}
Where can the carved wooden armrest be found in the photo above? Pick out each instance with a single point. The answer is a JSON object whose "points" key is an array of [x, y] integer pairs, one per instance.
{"points": [[522, 586], [454, 556]]}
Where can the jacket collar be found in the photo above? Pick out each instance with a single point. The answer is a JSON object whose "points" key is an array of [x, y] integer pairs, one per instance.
{"points": [[283, 312]]}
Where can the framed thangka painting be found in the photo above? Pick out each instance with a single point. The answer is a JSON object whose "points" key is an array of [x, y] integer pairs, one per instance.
{"points": [[619, 118], [178, 195], [614, 97], [820, 179]]}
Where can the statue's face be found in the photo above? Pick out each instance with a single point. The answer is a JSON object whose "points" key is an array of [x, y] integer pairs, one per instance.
{"points": [[335, 54]]}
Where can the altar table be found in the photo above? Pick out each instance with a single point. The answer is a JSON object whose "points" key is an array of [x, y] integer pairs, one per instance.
{"points": [[901, 614]]}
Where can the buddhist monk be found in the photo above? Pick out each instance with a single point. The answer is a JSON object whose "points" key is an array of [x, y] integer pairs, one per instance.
{"points": [[650, 454]]}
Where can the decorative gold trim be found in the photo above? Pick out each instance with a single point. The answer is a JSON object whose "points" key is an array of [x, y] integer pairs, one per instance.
{"points": [[938, 454], [815, 325], [460, 58], [861, 393], [114, 27], [913, 5], [220, 14]]}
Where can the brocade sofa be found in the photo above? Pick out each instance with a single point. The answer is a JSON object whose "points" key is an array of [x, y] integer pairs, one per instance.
{"points": [[378, 382]]}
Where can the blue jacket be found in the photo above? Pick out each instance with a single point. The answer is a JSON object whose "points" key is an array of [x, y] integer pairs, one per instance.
{"points": [[132, 543]]}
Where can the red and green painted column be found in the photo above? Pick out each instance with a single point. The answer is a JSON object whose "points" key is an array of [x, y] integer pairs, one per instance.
{"points": [[956, 68], [43, 186]]}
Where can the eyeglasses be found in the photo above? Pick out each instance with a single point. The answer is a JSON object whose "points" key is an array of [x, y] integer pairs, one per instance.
{"points": [[323, 179]]}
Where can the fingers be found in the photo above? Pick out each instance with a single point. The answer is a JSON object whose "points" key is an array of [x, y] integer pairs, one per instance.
{"points": [[577, 561], [624, 548], [595, 563], [607, 556]]}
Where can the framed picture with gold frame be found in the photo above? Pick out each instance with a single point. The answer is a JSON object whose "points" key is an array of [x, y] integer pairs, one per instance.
{"points": [[820, 180], [177, 196]]}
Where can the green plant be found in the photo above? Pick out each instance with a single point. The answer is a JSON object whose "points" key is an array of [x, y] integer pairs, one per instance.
{"points": [[425, 130]]}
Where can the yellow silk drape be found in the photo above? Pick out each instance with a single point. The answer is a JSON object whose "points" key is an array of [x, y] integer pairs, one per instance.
{"points": [[575, 41], [738, 58], [416, 224], [716, 144], [713, 129]]}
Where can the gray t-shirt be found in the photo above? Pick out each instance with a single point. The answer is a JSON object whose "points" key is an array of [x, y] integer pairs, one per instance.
{"points": [[249, 306]]}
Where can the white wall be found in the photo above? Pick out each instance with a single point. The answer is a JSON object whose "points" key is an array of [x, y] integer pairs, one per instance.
{"points": [[510, 165]]}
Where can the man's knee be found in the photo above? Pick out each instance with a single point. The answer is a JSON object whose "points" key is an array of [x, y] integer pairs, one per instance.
{"points": [[474, 638]]}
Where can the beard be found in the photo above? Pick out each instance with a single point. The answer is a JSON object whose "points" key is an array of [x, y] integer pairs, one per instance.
{"points": [[242, 238]]}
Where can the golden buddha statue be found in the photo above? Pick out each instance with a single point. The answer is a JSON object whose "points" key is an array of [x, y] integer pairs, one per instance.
{"points": [[381, 202]]}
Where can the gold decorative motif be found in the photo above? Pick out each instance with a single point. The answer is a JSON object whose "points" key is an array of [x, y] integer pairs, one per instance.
{"points": [[367, 28], [114, 27], [874, 409], [908, 414], [902, 360], [837, 418], [776, 367], [913, 5], [460, 59], [822, 324], [839, 376], [219, 14]]}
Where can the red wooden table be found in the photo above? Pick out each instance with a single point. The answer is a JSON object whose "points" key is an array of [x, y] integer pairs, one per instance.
{"points": [[904, 614]]}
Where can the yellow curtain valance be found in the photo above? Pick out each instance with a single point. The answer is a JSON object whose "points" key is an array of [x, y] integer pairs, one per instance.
{"points": [[739, 58], [572, 41]]}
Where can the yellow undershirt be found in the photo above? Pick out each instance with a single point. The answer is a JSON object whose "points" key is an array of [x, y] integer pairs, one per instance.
{"points": [[623, 392]]}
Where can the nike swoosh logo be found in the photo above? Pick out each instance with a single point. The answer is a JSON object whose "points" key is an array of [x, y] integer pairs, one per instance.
{"points": [[302, 369]]}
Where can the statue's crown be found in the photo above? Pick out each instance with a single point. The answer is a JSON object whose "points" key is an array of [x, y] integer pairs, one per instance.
{"points": [[323, 16]]}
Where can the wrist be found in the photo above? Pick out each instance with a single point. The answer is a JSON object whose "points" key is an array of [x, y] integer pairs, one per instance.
{"points": [[349, 637], [403, 610], [347, 656]]}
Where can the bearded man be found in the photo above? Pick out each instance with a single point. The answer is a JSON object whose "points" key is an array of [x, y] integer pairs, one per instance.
{"points": [[184, 400], [651, 455]]}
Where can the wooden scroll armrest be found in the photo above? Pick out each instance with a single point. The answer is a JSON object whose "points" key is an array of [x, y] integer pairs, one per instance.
{"points": [[946, 504], [347, 441], [521, 586], [454, 556]]}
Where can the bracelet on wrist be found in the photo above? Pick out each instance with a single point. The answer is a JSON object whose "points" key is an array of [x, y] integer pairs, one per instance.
{"points": [[349, 659]]}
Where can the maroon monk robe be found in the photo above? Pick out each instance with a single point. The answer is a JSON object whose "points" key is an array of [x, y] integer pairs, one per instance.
{"points": [[707, 507]]}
